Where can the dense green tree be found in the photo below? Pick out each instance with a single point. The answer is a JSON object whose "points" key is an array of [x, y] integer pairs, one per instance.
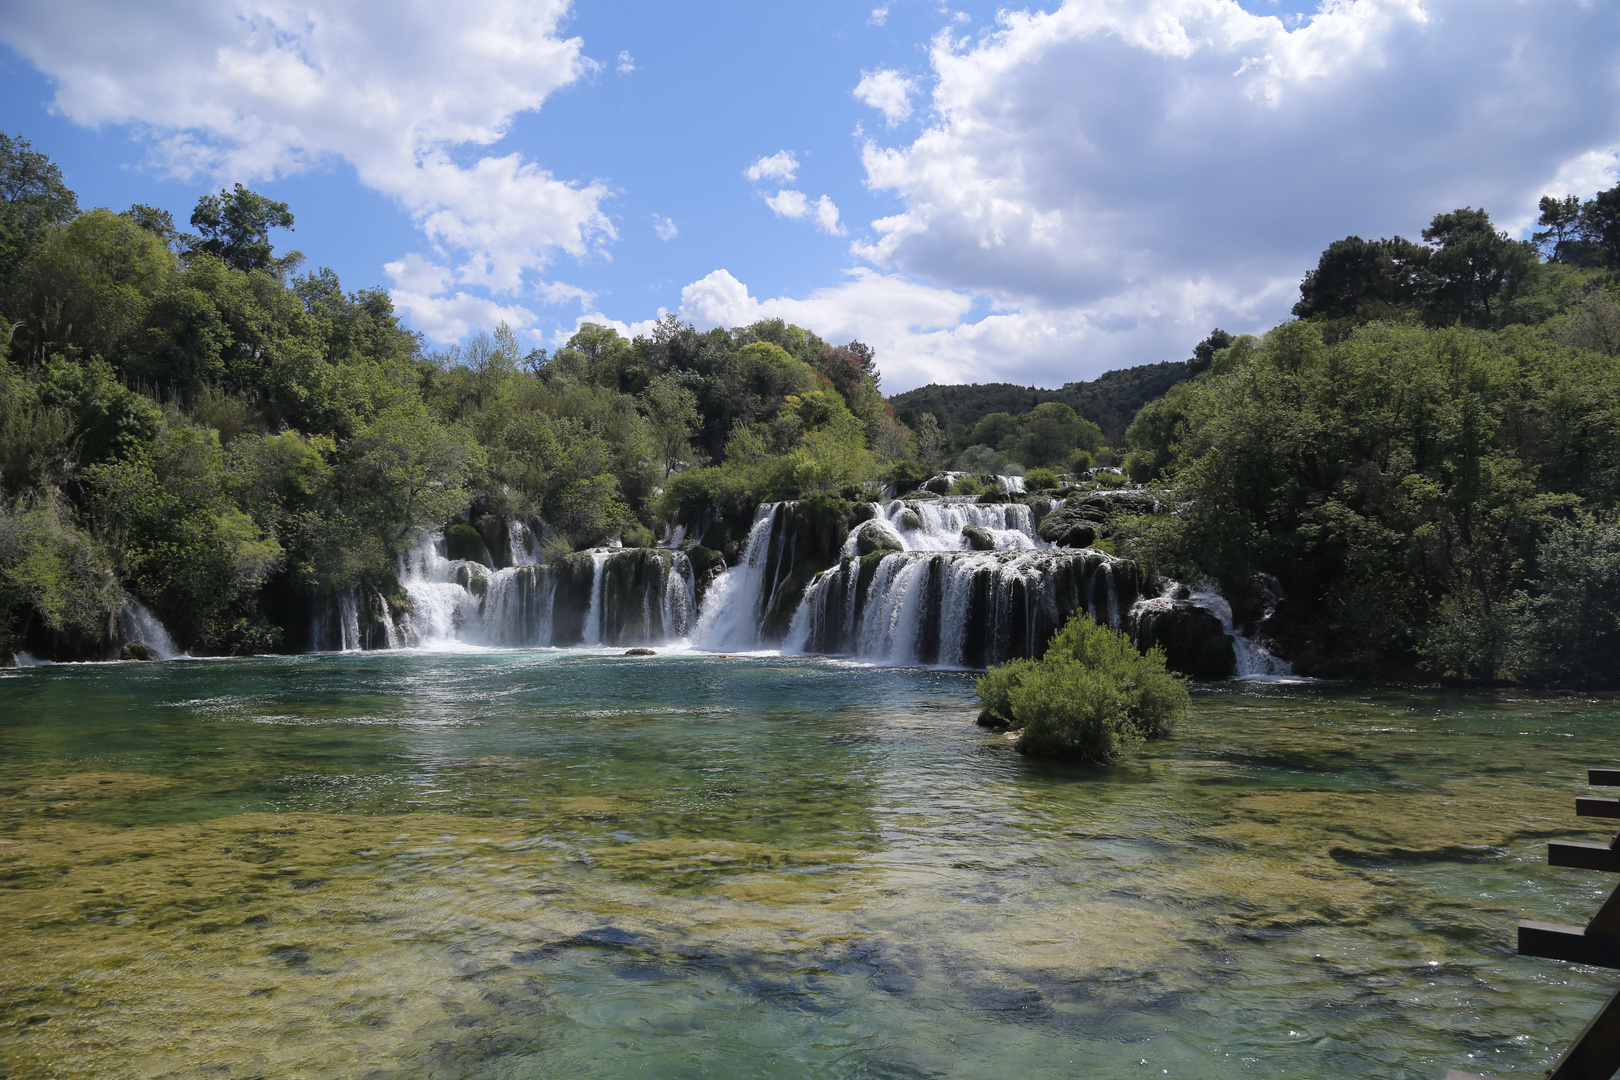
{"points": [[1478, 270], [33, 200], [235, 229]]}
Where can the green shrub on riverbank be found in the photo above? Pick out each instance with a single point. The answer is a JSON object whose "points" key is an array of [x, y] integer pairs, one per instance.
{"points": [[1092, 696]]}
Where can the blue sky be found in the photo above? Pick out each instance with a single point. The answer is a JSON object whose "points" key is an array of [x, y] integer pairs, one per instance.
{"points": [[1032, 195]]}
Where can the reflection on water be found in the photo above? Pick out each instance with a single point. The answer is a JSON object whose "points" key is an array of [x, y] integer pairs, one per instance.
{"points": [[513, 865]]}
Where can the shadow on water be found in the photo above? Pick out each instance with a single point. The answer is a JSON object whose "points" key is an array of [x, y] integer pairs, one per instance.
{"points": [[525, 864]]}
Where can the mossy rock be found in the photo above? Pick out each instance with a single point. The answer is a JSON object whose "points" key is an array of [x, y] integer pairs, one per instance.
{"points": [[874, 539], [1068, 527], [639, 652], [910, 519], [994, 497], [461, 541], [863, 512], [939, 485], [138, 650], [979, 538]]}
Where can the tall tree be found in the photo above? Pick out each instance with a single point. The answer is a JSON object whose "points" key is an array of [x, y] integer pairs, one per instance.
{"points": [[1478, 269], [235, 227], [33, 198]]}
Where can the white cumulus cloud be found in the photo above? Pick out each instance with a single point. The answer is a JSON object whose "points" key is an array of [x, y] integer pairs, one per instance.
{"points": [[887, 91], [788, 203], [781, 166], [1113, 178], [250, 89]]}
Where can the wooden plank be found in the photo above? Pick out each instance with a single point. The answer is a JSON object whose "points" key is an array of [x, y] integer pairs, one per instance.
{"points": [[1552, 941], [1595, 1053], [1583, 856], [1603, 777], [1589, 807]]}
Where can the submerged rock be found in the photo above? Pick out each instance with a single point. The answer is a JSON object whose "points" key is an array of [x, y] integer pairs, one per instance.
{"points": [[138, 650], [639, 652]]}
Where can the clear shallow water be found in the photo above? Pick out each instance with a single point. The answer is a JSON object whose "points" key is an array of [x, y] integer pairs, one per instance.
{"points": [[536, 864]]}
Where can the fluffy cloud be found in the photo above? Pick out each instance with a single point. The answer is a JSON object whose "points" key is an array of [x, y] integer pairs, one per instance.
{"points": [[247, 89], [665, 227], [887, 91], [1173, 163], [796, 204], [781, 166]]}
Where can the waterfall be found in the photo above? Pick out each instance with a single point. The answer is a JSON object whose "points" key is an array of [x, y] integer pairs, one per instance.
{"points": [[957, 608], [1254, 660], [737, 600], [629, 596], [334, 624], [1011, 485], [939, 524], [137, 623], [522, 546], [593, 613]]}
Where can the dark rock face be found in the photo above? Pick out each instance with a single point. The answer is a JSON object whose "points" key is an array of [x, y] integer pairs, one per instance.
{"points": [[137, 650], [1068, 527], [979, 539], [1193, 640], [994, 497], [463, 542]]}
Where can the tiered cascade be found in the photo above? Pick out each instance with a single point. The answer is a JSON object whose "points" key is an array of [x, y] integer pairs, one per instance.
{"points": [[622, 596]]}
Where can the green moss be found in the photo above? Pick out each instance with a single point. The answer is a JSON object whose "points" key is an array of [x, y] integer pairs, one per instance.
{"points": [[462, 541]]}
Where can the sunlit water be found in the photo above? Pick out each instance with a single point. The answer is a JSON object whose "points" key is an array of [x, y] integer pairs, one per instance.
{"points": [[571, 864]]}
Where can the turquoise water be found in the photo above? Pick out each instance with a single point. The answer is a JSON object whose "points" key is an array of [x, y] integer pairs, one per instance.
{"points": [[536, 864]]}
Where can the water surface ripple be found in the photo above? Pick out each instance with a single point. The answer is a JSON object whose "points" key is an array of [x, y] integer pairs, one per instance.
{"points": [[570, 863]]}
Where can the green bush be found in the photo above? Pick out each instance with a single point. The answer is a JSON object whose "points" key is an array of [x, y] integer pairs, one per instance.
{"points": [[1091, 697], [636, 536], [971, 485], [1040, 479], [907, 475]]}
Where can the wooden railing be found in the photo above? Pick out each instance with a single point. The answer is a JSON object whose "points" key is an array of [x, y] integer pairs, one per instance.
{"points": [[1595, 1053]]}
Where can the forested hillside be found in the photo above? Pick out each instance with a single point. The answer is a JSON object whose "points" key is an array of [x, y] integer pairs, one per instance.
{"points": [[189, 420], [1421, 473], [1110, 401]]}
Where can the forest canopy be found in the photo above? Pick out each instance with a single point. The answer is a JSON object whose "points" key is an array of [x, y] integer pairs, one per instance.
{"points": [[189, 420]]}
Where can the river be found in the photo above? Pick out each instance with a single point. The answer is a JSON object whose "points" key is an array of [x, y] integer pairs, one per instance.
{"points": [[571, 863]]}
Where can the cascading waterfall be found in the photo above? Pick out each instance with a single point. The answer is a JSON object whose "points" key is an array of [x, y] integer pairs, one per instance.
{"points": [[137, 623], [956, 608], [1254, 660], [627, 596], [593, 613], [938, 524], [736, 602]]}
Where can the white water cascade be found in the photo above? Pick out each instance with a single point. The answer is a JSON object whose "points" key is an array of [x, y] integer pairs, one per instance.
{"points": [[622, 596], [137, 623], [939, 524], [735, 605], [1254, 660]]}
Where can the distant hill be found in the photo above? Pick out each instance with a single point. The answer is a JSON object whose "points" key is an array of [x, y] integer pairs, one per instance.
{"points": [[1110, 401]]}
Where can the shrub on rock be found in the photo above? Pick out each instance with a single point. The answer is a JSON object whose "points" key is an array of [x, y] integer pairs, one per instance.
{"points": [[1092, 697]]}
